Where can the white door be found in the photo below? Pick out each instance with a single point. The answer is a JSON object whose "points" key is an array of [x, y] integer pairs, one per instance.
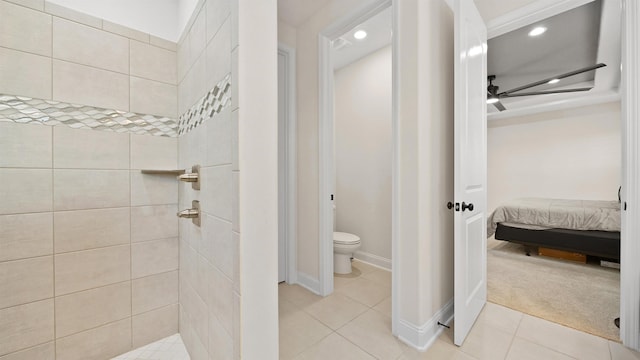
{"points": [[470, 188], [282, 196]]}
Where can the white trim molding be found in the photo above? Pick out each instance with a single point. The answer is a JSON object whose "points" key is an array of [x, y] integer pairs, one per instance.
{"points": [[629, 245], [325, 132], [530, 14], [373, 259], [291, 169], [308, 282], [422, 337]]}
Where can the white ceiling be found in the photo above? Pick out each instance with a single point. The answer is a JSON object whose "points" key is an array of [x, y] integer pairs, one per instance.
{"points": [[295, 12], [347, 49], [575, 39]]}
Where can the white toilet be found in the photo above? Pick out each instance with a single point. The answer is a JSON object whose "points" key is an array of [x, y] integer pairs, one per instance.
{"points": [[344, 245]]}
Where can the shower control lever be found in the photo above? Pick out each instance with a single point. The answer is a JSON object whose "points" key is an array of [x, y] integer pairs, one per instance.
{"points": [[193, 213], [193, 177]]}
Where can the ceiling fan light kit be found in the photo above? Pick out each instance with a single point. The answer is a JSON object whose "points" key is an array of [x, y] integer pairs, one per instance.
{"points": [[493, 96]]}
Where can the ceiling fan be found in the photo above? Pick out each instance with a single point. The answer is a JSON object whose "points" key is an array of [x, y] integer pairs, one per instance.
{"points": [[493, 96]]}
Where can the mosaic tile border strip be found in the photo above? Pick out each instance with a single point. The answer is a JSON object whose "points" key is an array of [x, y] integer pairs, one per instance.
{"points": [[25, 110], [211, 103]]}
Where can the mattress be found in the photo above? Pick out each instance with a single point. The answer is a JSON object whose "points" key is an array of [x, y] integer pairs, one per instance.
{"points": [[558, 214]]}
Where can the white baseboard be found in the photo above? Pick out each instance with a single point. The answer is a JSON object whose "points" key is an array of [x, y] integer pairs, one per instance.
{"points": [[308, 282], [422, 337], [372, 259]]}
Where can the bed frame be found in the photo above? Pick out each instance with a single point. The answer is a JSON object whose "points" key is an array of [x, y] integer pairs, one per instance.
{"points": [[604, 244]]}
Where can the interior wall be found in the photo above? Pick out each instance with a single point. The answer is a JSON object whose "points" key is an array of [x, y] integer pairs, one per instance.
{"points": [[88, 244], [362, 126], [568, 154], [423, 254], [307, 126], [209, 254]]}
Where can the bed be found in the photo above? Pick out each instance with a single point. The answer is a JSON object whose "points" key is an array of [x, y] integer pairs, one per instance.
{"points": [[581, 226]]}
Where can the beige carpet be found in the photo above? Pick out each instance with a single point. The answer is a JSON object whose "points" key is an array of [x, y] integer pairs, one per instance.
{"points": [[585, 297]]}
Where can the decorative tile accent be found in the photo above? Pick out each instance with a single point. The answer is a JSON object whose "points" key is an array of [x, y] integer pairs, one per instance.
{"points": [[20, 109], [210, 104]]}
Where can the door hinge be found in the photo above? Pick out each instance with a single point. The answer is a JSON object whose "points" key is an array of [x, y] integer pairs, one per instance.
{"points": [[331, 197]]}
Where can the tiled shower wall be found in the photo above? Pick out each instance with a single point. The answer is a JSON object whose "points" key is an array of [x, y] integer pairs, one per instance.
{"points": [[88, 245], [49, 52], [209, 276]]}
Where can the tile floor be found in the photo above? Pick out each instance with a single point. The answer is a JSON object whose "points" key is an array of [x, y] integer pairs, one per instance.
{"points": [[354, 323], [169, 348]]}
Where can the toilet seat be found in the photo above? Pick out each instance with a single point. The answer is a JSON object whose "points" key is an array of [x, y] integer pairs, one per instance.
{"points": [[342, 238]]}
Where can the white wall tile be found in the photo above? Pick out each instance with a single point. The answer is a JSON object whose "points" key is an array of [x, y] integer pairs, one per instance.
{"points": [[235, 200], [182, 59], [219, 55], [25, 74], [104, 342], [89, 269], [25, 29], [90, 229], [89, 46], [154, 63], [154, 257], [147, 189], [64, 12], [90, 189], [25, 145], [154, 152], [234, 24], [25, 281], [154, 222], [221, 299], [219, 138], [41, 352], [153, 292], [198, 36], [26, 235], [125, 31], [26, 325], [89, 149], [234, 79], [196, 307], [217, 244], [153, 97], [34, 4], [25, 191], [216, 191], [80, 84], [194, 85], [220, 342], [88, 309], [236, 262], [155, 325], [234, 141], [163, 43], [217, 12]]}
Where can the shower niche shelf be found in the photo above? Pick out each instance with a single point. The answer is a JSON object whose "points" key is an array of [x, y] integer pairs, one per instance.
{"points": [[162, 172]]}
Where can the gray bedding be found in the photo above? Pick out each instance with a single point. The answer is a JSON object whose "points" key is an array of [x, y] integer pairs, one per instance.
{"points": [[557, 213]]}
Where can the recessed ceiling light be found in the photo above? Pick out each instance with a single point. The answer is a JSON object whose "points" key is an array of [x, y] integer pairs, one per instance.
{"points": [[360, 34], [554, 81], [537, 31]]}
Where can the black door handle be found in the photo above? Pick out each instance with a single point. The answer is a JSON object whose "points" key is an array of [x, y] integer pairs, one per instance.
{"points": [[467, 206], [449, 205]]}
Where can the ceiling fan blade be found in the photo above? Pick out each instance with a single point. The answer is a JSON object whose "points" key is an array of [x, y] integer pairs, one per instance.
{"points": [[499, 106], [561, 76], [546, 92]]}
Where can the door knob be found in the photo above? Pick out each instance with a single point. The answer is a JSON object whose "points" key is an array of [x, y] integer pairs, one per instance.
{"points": [[449, 205], [467, 206]]}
